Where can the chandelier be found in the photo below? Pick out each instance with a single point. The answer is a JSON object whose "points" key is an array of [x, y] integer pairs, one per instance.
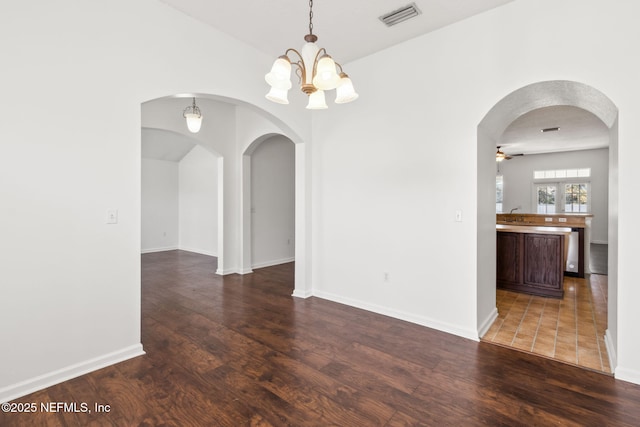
{"points": [[194, 117], [316, 71]]}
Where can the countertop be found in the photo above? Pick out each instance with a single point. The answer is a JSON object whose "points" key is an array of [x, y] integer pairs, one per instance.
{"points": [[533, 229]]}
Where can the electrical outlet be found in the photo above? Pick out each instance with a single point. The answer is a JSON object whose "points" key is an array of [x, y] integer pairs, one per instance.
{"points": [[386, 276]]}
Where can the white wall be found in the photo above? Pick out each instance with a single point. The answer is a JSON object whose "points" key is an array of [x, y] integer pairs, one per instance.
{"points": [[159, 210], [518, 183], [273, 202], [63, 268], [198, 199], [391, 169], [180, 203]]}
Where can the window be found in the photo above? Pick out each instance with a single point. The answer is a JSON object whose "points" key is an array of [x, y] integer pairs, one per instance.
{"points": [[556, 197], [546, 198], [562, 173], [576, 198], [562, 190], [499, 187]]}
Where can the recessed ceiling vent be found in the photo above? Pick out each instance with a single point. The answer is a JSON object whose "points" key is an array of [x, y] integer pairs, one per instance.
{"points": [[400, 15], [549, 130]]}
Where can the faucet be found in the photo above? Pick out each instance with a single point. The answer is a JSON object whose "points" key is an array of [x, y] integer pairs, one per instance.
{"points": [[514, 209]]}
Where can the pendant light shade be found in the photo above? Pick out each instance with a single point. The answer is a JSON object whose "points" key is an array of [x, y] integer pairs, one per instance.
{"points": [[194, 122], [193, 116]]}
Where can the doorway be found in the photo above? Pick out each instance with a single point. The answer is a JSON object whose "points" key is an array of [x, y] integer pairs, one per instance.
{"points": [[506, 111], [272, 201]]}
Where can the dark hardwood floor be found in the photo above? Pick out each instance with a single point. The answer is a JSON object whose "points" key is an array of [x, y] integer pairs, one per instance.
{"points": [[240, 351]]}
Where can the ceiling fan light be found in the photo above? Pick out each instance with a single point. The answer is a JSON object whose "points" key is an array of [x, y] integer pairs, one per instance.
{"points": [[317, 101], [194, 122], [278, 95], [345, 91], [326, 77], [280, 74]]}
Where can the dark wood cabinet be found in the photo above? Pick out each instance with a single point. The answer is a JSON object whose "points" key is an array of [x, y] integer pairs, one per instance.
{"points": [[531, 263]]}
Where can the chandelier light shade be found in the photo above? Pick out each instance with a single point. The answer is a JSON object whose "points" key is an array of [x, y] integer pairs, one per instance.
{"points": [[345, 92], [317, 101], [194, 117], [278, 95], [316, 70]]}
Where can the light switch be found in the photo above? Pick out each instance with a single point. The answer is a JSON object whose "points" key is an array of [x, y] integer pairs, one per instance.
{"points": [[112, 216], [458, 216]]}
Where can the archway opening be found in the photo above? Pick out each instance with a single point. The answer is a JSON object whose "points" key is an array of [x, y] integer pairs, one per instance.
{"points": [[490, 129], [269, 214], [229, 128]]}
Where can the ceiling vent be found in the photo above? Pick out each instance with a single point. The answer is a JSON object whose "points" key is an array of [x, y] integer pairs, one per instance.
{"points": [[400, 15]]}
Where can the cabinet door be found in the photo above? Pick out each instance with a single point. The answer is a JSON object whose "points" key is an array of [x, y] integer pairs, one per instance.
{"points": [[509, 258], [543, 256]]}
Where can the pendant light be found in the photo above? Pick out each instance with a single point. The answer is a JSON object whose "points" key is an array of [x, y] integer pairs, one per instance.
{"points": [[194, 117]]}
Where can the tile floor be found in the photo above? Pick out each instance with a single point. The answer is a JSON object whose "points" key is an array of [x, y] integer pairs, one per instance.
{"points": [[570, 329]]}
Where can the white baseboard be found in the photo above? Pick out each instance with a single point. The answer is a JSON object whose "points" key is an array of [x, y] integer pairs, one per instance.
{"points": [[409, 317], [484, 326], [301, 294], [258, 265], [23, 388], [628, 375], [152, 250], [272, 263], [611, 351], [197, 251]]}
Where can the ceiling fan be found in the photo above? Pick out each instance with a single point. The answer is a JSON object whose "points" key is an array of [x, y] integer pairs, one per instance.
{"points": [[500, 156]]}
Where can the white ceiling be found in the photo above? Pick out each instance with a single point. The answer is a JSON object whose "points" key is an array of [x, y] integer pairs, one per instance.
{"points": [[579, 130], [348, 29], [351, 29], [166, 145]]}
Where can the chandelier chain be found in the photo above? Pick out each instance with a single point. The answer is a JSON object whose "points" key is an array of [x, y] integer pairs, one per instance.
{"points": [[310, 16]]}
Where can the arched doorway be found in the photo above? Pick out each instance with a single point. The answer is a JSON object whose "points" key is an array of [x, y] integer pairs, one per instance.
{"points": [[514, 105], [268, 188], [244, 124]]}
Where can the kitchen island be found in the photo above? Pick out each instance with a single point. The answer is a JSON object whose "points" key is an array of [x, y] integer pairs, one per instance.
{"points": [[531, 259], [576, 261]]}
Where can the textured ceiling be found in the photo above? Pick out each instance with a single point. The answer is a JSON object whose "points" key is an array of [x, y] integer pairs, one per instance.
{"points": [[579, 130]]}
